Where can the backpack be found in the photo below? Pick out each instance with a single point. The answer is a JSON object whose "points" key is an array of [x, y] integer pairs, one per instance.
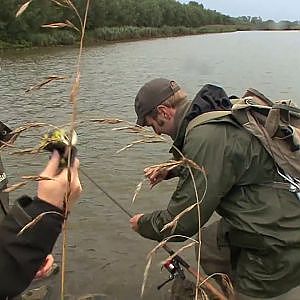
{"points": [[275, 124]]}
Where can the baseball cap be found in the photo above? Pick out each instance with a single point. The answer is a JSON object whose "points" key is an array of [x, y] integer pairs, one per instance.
{"points": [[152, 94]]}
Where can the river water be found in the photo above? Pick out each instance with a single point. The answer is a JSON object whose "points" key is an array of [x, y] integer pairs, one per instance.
{"points": [[104, 255]]}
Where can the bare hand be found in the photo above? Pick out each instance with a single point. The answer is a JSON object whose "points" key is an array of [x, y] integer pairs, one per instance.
{"points": [[45, 268], [54, 191], [134, 222], [155, 175]]}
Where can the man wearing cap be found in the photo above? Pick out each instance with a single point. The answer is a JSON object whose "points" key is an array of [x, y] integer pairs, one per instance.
{"points": [[257, 240]]}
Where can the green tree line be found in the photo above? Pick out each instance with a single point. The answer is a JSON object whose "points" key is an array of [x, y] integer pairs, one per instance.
{"points": [[111, 20], [103, 16]]}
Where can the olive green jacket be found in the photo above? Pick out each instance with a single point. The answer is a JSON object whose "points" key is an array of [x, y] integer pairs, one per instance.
{"points": [[264, 220]]}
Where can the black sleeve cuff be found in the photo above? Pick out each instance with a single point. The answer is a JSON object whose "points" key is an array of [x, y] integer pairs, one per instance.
{"points": [[173, 173], [25, 209]]}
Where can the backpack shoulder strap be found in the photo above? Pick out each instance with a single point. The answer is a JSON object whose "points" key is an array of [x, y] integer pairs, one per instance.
{"points": [[205, 117]]}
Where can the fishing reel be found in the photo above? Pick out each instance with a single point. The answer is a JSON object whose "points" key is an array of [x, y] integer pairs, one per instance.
{"points": [[62, 141], [174, 268]]}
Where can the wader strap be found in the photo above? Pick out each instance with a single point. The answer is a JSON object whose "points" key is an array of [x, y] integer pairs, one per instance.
{"points": [[211, 115], [286, 107]]}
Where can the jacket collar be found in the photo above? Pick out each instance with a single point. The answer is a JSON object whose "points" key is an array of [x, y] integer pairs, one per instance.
{"points": [[209, 98], [180, 123]]}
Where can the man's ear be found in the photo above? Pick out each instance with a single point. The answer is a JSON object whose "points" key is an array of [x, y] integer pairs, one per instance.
{"points": [[164, 111]]}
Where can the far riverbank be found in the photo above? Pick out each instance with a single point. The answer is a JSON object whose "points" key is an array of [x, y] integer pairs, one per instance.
{"points": [[62, 37]]}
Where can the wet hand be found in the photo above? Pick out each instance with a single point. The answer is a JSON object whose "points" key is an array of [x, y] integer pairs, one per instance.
{"points": [[155, 175], [134, 222]]}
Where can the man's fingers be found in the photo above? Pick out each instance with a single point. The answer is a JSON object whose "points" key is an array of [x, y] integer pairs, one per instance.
{"points": [[153, 177], [75, 182], [63, 176], [52, 166], [75, 175], [134, 221], [48, 264], [75, 167]]}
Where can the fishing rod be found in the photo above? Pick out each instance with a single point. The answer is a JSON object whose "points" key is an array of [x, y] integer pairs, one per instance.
{"points": [[173, 266]]}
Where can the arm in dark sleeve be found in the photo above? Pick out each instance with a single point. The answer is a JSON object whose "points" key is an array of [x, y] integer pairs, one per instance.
{"points": [[213, 147], [22, 255], [173, 173]]}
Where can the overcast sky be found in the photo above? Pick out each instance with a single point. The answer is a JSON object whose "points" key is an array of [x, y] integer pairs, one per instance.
{"points": [[267, 9]]}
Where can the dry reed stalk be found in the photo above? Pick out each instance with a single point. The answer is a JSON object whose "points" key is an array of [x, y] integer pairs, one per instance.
{"points": [[36, 178], [163, 166], [45, 82], [15, 187], [107, 121], [37, 149], [23, 8], [199, 224], [149, 260], [137, 190], [189, 164], [6, 145], [203, 295], [135, 143], [152, 253], [146, 272], [225, 279], [195, 166], [25, 151], [71, 25], [73, 100], [179, 251], [27, 180], [147, 136], [165, 240], [37, 219], [18, 131], [143, 141], [229, 287], [134, 128], [82, 25], [61, 25], [168, 166], [57, 2], [129, 129], [175, 220]]}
